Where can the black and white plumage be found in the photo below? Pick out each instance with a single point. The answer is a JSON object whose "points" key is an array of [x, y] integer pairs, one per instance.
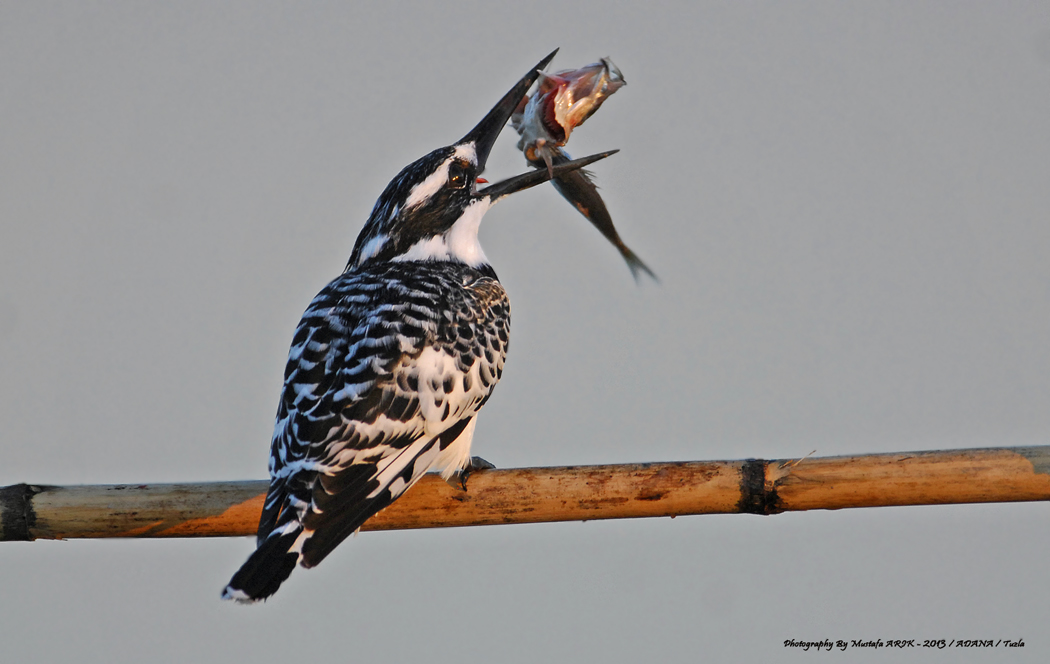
{"points": [[391, 361]]}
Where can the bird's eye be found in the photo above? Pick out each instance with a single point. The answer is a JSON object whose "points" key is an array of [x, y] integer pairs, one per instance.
{"points": [[457, 175]]}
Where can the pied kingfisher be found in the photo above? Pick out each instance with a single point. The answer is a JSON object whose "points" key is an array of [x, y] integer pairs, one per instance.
{"points": [[392, 360]]}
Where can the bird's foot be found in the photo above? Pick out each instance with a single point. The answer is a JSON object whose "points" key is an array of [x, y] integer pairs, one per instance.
{"points": [[458, 479]]}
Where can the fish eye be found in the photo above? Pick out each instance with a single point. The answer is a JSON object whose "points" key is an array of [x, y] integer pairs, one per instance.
{"points": [[457, 175]]}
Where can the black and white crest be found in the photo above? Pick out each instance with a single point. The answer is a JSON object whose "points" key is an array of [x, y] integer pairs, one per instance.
{"points": [[391, 361]]}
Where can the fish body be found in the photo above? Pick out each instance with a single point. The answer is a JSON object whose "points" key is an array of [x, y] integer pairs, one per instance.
{"points": [[544, 121], [563, 102]]}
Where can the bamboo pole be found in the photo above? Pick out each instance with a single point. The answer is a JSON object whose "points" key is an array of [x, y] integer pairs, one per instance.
{"points": [[571, 493]]}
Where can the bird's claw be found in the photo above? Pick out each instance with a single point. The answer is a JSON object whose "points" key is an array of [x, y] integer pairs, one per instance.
{"points": [[458, 479]]}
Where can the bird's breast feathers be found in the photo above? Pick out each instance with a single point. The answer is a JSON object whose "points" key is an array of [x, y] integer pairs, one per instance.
{"points": [[384, 357]]}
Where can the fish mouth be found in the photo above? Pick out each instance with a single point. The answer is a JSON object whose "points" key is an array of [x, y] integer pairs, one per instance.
{"points": [[484, 134], [524, 181]]}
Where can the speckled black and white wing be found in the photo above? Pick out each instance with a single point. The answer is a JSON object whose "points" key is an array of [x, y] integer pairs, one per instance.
{"points": [[386, 372]]}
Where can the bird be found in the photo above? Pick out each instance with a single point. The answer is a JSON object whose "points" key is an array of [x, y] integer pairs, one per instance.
{"points": [[392, 360]]}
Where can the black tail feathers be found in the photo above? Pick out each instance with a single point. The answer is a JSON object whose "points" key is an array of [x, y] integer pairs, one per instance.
{"points": [[265, 570]]}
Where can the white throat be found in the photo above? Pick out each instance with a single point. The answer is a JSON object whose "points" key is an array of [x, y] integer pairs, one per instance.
{"points": [[459, 243]]}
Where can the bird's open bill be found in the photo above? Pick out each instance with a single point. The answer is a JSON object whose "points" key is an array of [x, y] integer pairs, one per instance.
{"points": [[484, 134]]}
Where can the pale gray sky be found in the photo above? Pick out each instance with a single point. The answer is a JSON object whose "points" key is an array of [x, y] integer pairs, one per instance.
{"points": [[847, 205]]}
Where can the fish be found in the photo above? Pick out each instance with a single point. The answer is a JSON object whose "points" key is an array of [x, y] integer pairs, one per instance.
{"points": [[544, 121]]}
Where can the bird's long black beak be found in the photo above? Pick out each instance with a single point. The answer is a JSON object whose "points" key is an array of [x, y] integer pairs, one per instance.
{"points": [[535, 177], [485, 133]]}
